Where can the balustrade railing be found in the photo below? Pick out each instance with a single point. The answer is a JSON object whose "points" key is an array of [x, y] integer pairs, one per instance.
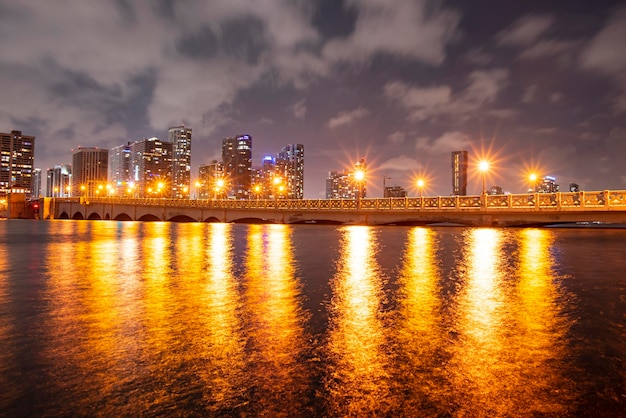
{"points": [[606, 199]]}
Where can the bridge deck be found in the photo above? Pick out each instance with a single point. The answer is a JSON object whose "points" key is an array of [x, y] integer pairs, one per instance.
{"points": [[605, 206]]}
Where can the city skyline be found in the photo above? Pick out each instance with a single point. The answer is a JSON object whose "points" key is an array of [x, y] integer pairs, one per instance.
{"points": [[540, 85]]}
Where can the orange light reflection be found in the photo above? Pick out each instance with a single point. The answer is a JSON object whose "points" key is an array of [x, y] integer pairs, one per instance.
{"points": [[358, 379]]}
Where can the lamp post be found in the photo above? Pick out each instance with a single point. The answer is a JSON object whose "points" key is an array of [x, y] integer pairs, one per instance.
{"points": [[483, 166], [420, 186], [198, 185], [533, 182], [218, 187], [257, 191], [277, 185], [359, 177]]}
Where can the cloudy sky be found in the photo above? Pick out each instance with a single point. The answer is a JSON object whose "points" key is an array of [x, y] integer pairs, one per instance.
{"points": [[402, 83]]}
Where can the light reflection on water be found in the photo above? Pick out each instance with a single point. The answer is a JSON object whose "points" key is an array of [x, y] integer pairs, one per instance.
{"points": [[358, 368], [183, 319]]}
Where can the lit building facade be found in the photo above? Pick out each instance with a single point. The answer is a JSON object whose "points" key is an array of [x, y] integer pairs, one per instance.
{"points": [[548, 185], [460, 164], [339, 185], [17, 157], [59, 181], [119, 169], [211, 183], [37, 192], [151, 168], [90, 168], [180, 137], [290, 167], [394, 191], [237, 164]]}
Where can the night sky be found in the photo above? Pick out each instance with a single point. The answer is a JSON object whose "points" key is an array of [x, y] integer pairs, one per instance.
{"points": [[534, 84]]}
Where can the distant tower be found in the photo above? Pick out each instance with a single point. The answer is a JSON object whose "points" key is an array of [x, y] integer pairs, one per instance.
{"points": [[344, 185], [90, 167], [339, 185], [208, 177], [290, 163], [150, 165], [180, 137], [36, 184], [58, 181], [237, 162], [119, 168], [16, 164], [459, 173]]}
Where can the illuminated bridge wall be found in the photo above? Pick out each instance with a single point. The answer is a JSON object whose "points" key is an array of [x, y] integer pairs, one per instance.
{"points": [[489, 210]]}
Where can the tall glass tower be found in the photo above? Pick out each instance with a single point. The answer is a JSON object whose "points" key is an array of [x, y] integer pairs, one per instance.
{"points": [[237, 162], [291, 162], [16, 162], [180, 137]]}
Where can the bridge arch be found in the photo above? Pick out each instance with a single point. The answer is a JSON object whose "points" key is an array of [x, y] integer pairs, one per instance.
{"points": [[77, 216], [252, 221], [94, 216], [149, 218], [212, 219], [122, 217], [64, 215], [182, 218]]}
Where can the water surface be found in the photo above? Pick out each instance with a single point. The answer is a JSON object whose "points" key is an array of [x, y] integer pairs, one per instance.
{"points": [[127, 318]]}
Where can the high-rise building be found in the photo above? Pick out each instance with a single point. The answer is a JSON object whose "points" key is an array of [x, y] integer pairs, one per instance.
{"points": [[119, 169], [339, 185], [548, 185], [347, 184], [237, 162], [290, 166], [17, 156], [151, 168], [394, 191], [37, 193], [59, 181], [211, 180], [459, 173], [180, 137], [90, 167]]}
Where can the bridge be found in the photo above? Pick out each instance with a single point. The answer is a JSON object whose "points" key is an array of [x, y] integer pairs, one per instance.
{"points": [[599, 207]]}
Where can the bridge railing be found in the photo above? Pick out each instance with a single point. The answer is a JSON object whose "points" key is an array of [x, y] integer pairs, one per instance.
{"points": [[605, 199]]}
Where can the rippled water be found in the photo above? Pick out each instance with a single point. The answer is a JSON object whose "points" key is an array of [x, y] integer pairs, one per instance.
{"points": [[108, 318]]}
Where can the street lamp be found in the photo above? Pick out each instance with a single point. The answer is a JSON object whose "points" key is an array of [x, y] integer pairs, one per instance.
{"points": [[359, 176], [257, 190], [483, 166], [198, 184], [277, 183], [218, 187], [533, 182], [420, 186]]}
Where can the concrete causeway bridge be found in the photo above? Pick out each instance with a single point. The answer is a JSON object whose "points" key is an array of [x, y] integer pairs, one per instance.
{"points": [[600, 207]]}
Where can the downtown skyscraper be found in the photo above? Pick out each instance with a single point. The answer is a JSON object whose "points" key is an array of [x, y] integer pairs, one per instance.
{"points": [[290, 165], [180, 137], [90, 168], [17, 156], [459, 173], [237, 165], [142, 168]]}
